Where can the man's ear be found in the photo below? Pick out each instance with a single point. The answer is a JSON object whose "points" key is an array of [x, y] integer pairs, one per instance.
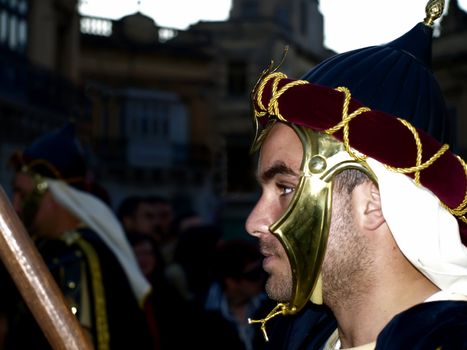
{"points": [[372, 215]]}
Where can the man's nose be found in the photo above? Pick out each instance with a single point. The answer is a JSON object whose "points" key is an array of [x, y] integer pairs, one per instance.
{"points": [[259, 220]]}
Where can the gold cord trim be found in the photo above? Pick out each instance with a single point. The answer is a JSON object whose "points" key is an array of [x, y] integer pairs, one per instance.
{"points": [[273, 109], [279, 309], [461, 209], [259, 95], [102, 327], [346, 118], [273, 106], [419, 166]]}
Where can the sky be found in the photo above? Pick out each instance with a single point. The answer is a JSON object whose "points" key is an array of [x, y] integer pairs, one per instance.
{"points": [[348, 24]]}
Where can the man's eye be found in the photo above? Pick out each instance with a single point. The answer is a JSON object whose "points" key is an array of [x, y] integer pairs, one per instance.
{"points": [[285, 190]]}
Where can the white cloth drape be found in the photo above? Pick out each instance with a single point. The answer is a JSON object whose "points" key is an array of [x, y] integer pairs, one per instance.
{"points": [[426, 233], [99, 217]]}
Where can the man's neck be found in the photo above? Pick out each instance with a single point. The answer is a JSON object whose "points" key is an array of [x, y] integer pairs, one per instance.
{"points": [[65, 222], [361, 318]]}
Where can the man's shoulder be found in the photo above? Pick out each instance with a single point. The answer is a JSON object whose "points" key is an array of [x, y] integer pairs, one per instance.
{"points": [[430, 325]]}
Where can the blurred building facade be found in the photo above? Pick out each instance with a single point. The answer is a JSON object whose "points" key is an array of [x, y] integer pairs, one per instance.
{"points": [[167, 111], [209, 71], [39, 85]]}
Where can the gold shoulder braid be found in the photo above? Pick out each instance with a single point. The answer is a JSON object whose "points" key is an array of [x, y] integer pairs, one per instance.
{"points": [[102, 328]]}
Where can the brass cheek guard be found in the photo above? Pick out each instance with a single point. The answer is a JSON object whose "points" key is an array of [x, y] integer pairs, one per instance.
{"points": [[303, 229]]}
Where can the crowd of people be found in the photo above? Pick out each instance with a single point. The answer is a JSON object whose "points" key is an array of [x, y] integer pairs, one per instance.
{"points": [[137, 277]]}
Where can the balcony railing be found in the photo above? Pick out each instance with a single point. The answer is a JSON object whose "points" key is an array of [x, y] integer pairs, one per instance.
{"points": [[99, 26]]}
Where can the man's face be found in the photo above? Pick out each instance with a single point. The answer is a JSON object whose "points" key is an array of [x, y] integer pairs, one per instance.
{"points": [[146, 257], [42, 219], [164, 216], [152, 218], [278, 174], [144, 220]]}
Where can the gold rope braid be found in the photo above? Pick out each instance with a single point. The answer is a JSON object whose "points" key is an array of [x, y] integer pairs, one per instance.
{"points": [[419, 166], [279, 309], [259, 95], [273, 106], [344, 123], [102, 328], [461, 209]]}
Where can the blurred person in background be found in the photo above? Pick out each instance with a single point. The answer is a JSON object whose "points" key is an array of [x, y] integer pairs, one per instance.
{"points": [[83, 245], [164, 216], [192, 269], [164, 306], [152, 215], [136, 214], [236, 294]]}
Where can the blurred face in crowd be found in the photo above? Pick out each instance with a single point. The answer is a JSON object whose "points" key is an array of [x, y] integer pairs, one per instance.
{"points": [[278, 174], [164, 216], [146, 257], [37, 215], [250, 284], [144, 220]]}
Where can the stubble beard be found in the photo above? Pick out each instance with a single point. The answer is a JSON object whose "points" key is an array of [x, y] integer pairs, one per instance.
{"points": [[279, 282], [347, 261]]}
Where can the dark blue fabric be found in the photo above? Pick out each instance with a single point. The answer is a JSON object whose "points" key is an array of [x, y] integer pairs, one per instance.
{"points": [[427, 326], [307, 330], [61, 149], [395, 78], [126, 321], [432, 325]]}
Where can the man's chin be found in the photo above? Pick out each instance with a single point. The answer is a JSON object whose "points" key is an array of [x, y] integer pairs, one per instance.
{"points": [[277, 291]]}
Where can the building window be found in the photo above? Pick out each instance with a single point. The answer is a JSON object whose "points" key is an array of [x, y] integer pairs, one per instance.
{"points": [[3, 27], [303, 17], [236, 80], [13, 25], [250, 8], [155, 128]]}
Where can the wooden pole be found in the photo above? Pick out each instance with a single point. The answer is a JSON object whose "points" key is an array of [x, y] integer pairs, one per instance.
{"points": [[36, 284]]}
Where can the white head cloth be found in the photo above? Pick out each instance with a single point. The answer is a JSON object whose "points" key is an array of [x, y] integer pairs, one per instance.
{"points": [[98, 216], [426, 233]]}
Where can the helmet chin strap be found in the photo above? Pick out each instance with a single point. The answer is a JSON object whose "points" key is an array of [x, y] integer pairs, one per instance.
{"points": [[279, 309]]}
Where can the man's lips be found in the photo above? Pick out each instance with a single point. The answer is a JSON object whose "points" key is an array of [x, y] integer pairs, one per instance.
{"points": [[269, 253], [268, 259]]}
